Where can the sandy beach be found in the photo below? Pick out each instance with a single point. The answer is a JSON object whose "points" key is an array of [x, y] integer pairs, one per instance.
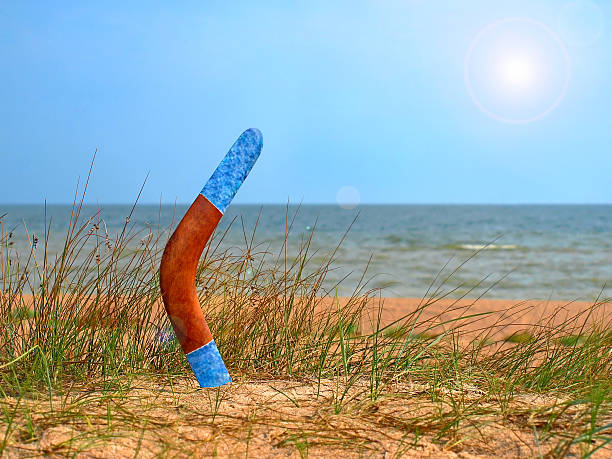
{"points": [[498, 318], [277, 417], [495, 318]]}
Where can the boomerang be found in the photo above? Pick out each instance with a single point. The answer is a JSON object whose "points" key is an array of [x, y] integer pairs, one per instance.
{"points": [[182, 253]]}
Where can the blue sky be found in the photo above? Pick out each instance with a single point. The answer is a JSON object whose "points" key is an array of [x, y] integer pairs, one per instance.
{"points": [[366, 94]]}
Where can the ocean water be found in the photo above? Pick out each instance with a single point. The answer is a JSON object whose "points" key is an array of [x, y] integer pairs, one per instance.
{"points": [[559, 252]]}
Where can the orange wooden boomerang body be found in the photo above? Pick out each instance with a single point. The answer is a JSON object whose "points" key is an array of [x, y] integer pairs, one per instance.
{"points": [[178, 270]]}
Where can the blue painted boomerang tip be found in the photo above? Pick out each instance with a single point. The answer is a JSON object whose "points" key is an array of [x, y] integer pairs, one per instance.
{"points": [[231, 172], [208, 366]]}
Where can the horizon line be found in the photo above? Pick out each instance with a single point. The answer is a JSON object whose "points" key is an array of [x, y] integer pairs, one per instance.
{"points": [[320, 204]]}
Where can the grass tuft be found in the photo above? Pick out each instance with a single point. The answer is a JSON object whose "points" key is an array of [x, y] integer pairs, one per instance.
{"points": [[519, 338]]}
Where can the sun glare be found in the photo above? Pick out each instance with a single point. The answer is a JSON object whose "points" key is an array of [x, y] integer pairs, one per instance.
{"points": [[517, 72]]}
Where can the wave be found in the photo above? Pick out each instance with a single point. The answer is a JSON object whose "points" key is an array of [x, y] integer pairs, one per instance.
{"points": [[487, 246]]}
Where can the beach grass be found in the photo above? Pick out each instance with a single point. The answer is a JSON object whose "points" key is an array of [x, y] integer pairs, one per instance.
{"points": [[88, 362]]}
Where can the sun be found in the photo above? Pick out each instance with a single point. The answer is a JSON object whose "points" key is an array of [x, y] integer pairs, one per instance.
{"points": [[517, 72]]}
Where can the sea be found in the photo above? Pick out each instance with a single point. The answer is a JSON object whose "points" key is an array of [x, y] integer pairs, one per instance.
{"points": [[556, 252]]}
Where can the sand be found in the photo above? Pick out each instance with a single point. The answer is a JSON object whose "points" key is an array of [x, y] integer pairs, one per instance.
{"points": [[496, 318], [284, 419], [296, 418]]}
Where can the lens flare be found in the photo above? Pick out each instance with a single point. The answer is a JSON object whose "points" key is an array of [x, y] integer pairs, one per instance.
{"points": [[581, 23], [348, 197], [517, 70]]}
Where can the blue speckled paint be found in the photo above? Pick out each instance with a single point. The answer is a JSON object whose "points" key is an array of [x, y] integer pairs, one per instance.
{"points": [[208, 366], [231, 172]]}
